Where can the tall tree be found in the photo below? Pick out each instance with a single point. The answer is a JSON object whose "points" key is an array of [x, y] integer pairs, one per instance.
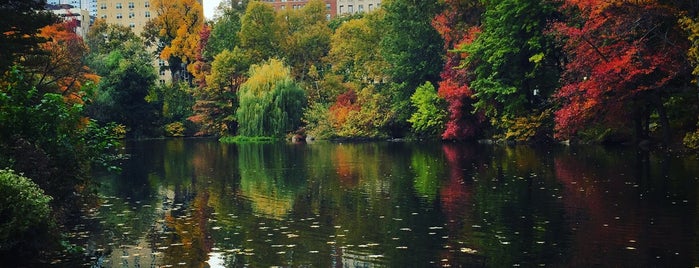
{"points": [[216, 103], [414, 51], [355, 49], [224, 32], [410, 44], [626, 60], [458, 26], [305, 37], [175, 30], [514, 62], [259, 32], [127, 78], [21, 21]]}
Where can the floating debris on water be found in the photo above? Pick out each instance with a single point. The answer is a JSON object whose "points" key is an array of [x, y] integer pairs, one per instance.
{"points": [[469, 250]]}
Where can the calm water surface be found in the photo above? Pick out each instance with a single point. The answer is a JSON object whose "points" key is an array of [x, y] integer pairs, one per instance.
{"points": [[198, 203]]}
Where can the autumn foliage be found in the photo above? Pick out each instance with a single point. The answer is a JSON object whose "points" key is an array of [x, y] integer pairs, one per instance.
{"points": [[455, 28], [623, 58]]}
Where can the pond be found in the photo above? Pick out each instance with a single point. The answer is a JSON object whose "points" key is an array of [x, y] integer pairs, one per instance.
{"points": [[199, 203]]}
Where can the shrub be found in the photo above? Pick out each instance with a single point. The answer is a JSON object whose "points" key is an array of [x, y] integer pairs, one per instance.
{"points": [[691, 140], [430, 115], [23, 207], [175, 129]]}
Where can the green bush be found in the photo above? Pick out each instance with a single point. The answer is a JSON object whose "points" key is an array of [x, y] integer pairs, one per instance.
{"points": [[431, 114], [691, 140], [175, 129], [23, 207]]}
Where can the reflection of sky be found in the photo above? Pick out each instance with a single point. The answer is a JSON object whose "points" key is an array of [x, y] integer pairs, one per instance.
{"points": [[215, 260]]}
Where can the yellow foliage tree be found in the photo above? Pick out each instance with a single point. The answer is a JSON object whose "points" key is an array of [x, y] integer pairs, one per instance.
{"points": [[176, 26]]}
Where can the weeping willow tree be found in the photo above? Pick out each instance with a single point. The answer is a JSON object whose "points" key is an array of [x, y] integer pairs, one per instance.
{"points": [[271, 103]]}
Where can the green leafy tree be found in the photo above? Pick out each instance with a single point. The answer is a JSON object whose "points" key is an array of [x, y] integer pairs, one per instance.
{"points": [[430, 115], [355, 50], [413, 49], [216, 103], [259, 32], [271, 103], [45, 136], [513, 60], [305, 37], [410, 44], [127, 78], [224, 32]]}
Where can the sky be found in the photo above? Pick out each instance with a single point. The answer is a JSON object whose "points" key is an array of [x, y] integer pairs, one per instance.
{"points": [[209, 7]]}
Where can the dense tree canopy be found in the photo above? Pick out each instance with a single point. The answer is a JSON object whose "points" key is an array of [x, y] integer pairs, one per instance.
{"points": [[507, 69], [625, 61], [21, 21]]}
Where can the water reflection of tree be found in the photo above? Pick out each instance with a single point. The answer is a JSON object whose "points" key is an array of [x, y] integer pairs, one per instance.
{"points": [[626, 204], [515, 217], [266, 179]]}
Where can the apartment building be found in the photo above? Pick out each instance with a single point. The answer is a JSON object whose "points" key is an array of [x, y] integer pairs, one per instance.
{"points": [[70, 12], [131, 13], [89, 5], [330, 6], [349, 7]]}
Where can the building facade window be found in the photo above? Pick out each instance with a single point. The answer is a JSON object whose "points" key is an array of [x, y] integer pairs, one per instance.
{"points": [[350, 8], [147, 4], [132, 25], [103, 6], [131, 5], [118, 16], [147, 14], [118, 5]]}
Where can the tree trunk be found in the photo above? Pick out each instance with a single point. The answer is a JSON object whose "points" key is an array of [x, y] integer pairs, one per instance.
{"points": [[664, 121]]}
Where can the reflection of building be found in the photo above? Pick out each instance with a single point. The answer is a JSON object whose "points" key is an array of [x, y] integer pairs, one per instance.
{"points": [[356, 6], [330, 6], [68, 12]]}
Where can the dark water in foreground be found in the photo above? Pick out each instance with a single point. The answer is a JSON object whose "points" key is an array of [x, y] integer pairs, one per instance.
{"points": [[198, 203]]}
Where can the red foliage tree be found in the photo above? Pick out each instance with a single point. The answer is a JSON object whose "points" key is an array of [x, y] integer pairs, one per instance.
{"points": [[456, 26], [344, 104], [202, 66], [623, 59]]}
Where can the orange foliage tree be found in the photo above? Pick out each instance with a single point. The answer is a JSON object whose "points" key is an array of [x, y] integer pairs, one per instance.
{"points": [[59, 68]]}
